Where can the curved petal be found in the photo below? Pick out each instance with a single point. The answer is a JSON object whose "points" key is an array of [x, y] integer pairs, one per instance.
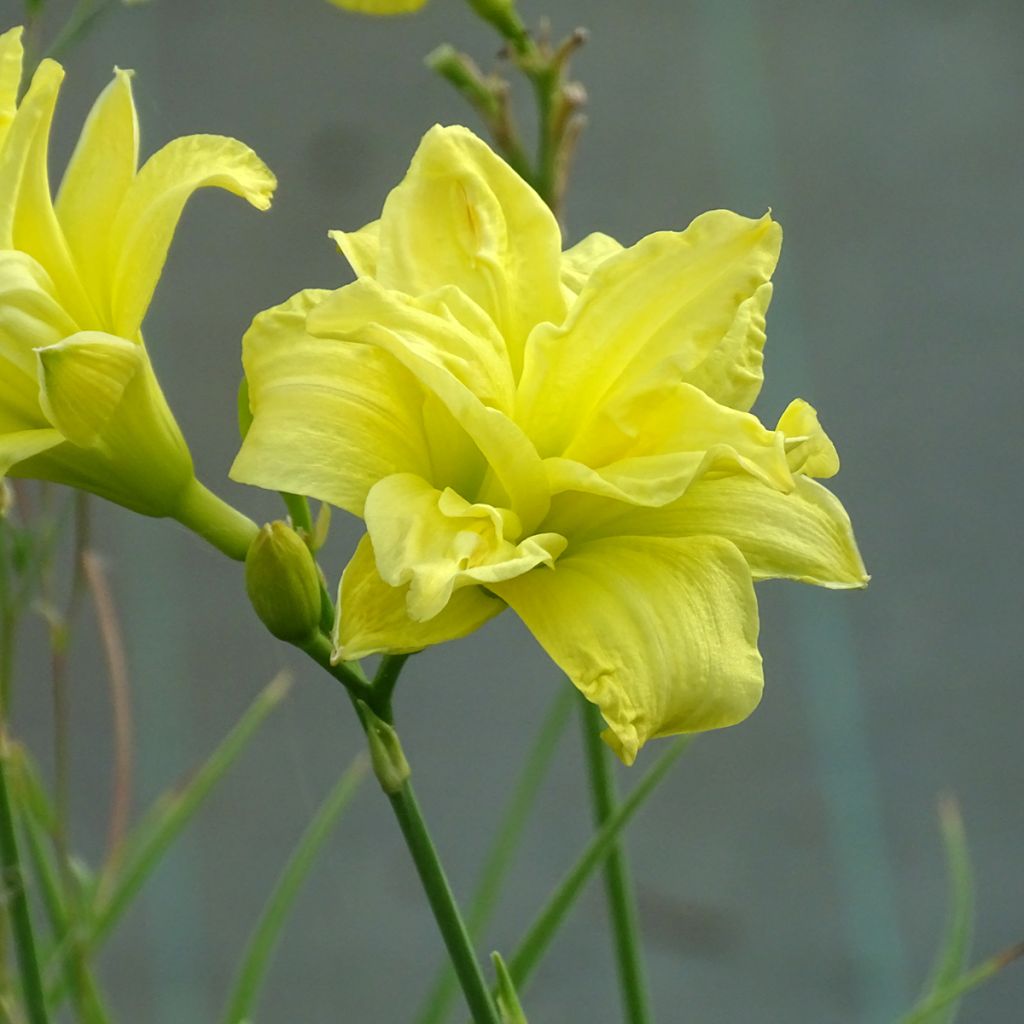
{"points": [[145, 224], [82, 381], [11, 55], [462, 367], [360, 248], [438, 543], [379, 6], [101, 169], [463, 217], [656, 311], [808, 448], [24, 444], [582, 259], [330, 418], [372, 615], [660, 634]]}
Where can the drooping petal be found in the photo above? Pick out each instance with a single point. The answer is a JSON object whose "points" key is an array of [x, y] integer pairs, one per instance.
{"points": [[82, 381], [463, 217], [11, 55], [437, 542], [152, 205], [461, 367], [24, 444], [372, 616], [330, 418], [101, 169], [808, 448], [654, 312], [360, 248], [582, 259], [660, 634]]}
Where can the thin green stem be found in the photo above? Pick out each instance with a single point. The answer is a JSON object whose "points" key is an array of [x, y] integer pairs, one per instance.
{"points": [[216, 521], [298, 512], [442, 903], [83, 18], [619, 890], [16, 898], [384, 682]]}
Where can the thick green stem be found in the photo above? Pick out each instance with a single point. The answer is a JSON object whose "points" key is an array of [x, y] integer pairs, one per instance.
{"points": [[442, 903], [621, 902], [227, 529], [16, 899]]}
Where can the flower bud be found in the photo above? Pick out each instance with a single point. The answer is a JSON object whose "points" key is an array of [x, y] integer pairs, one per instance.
{"points": [[283, 583]]}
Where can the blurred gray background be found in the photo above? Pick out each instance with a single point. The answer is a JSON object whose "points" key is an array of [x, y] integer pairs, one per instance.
{"points": [[791, 868]]}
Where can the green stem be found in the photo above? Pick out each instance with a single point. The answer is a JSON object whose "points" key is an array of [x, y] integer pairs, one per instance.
{"points": [[442, 903], [16, 899], [298, 511], [621, 901], [227, 529], [384, 681]]}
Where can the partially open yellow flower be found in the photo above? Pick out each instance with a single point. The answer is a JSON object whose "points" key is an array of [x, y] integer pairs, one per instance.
{"points": [[79, 402], [567, 434]]}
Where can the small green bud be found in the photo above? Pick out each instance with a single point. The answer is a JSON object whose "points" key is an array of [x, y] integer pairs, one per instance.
{"points": [[386, 754], [283, 583]]}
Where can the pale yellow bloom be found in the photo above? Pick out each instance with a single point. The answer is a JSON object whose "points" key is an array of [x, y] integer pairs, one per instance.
{"points": [[79, 402], [567, 434]]}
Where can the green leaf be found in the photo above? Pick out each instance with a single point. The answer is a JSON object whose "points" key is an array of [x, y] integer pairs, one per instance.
{"points": [[537, 939], [172, 811], [499, 856], [260, 948], [508, 1001]]}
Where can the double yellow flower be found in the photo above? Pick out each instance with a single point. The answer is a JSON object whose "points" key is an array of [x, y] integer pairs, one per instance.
{"points": [[566, 434], [79, 402]]}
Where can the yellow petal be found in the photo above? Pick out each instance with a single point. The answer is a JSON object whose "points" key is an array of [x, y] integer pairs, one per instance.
{"points": [[660, 634], [582, 259], [82, 381], [808, 447], [463, 366], [11, 54], [372, 615], [360, 248], [24, 444], [330, 418], [463, 217], [379, 6], [99, 173], [437, 542], [654, 312], [152, 205]]}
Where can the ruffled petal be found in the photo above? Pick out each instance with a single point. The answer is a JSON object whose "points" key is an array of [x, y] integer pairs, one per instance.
{"points": [[654, 312], [660, 634], [441, 339], [463, 217], [101, 169], [142, 232], [330, 417], [372, 616], [437, 542], [582, 259]]}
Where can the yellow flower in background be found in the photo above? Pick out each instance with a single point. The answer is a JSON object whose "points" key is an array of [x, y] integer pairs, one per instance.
{"points": [[379, 6], [79, 402], [567, 434]]}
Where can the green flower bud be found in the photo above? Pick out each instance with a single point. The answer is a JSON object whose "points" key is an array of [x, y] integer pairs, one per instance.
{"points": [[283, 583]]}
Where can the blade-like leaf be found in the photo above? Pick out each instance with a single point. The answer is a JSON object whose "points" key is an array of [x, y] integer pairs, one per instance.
{"points": [[268, 929], [499, 857], [173, 811], [543, 930], [508, 1001]]}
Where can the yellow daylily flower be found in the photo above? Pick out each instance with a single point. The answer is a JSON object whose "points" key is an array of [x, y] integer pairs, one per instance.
{"points": [[568, 434], [79, 401]]}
